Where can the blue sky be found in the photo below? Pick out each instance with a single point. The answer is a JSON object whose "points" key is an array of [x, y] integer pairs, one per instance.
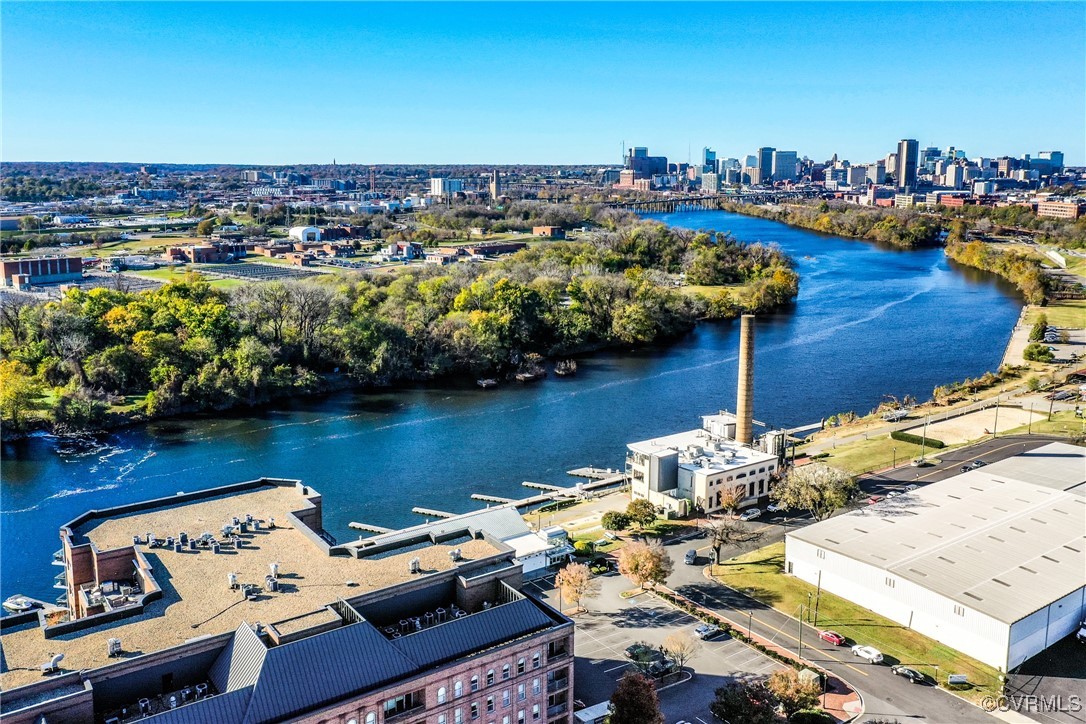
{"points": [[535, 83]]}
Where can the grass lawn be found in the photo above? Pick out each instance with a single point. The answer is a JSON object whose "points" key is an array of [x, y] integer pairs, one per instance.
{"points": [[762, 571], [1061, 313], [131, 403], [874, 454], [1062, 423]]}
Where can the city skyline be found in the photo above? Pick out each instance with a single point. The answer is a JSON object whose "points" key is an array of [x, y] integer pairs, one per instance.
{"points": [[534, 84]]}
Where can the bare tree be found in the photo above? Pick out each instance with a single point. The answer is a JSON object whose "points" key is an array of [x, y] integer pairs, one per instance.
{"points": [[312, 310], [12, 316], [680, 646], [816, 487], [725, 532]]}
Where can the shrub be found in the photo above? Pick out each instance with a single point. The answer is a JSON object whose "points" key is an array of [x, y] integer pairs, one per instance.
{"points": [[614, 520], [1037, 352], [811, 716], [583, 547], [916, 439]]}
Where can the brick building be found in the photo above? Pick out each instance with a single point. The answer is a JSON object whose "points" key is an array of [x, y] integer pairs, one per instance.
{"points": [[42, 270], [161, 624]]}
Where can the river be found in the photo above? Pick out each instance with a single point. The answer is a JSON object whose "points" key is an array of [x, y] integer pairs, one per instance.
{"points": [[869, 320]]}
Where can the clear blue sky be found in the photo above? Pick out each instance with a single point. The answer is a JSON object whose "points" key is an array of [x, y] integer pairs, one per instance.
{"points": [[535, 83]]}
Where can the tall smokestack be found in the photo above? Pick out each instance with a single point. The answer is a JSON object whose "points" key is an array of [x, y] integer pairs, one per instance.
{"points": [[744, 404]]}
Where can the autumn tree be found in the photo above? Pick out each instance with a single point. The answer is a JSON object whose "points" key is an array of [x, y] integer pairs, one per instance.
{"points": [[205, 227], [726, 532], [816, 487], [680, 646], [791, 691], [729, 498], [644, 563], [749, 703], [18, 392], [641, 511], [575, 582], [635, 701]]}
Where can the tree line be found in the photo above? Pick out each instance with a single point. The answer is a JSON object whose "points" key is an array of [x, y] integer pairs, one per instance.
{"points": [[900, 227], [188, 346]]}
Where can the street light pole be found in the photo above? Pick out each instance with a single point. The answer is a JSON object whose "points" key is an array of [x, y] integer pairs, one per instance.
{"points": [[750, 624]]}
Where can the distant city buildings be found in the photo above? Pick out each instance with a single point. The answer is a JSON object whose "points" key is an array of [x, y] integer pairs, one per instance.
{"points": [[784, 165], [906, 162], [443, 188]]}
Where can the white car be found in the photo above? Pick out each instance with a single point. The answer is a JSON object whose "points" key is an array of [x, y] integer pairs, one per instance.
{"points": [[706, 630], [774, 508], [910, 487], [750, 514], [869, 653]]}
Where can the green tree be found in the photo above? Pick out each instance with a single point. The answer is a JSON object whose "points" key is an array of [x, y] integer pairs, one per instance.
{"points": [[635, 701], [1037, 352], [1037, 332], [205, 227], [30, 223], [614, 520], [641, 511]]}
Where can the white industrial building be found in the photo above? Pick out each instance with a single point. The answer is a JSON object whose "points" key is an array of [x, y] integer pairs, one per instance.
{"points": [[305, 234], [990, 562], [691, 470]]}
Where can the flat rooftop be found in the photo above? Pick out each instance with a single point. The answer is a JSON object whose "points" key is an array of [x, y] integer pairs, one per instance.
{"points": [[197, 600], [1005, 540], [721, 454]]}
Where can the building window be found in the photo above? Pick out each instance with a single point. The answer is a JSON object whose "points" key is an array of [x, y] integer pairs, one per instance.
{"points": [[475, 683], [520, 717], [761, 470], [406, 702], [889, 582], [490, 703], [458, 690], [441, 719], [751, 493], [535, 711], [536, 660], [371, 718], [536, 685], [505, 719], [441, 695], [520, 665], [474, 711], [458, 716], [960, 610], [505, 672], [490, 677], [740, 475], [521, 693], [557, 649], [505, 698], [820, 553], [761, 487]]}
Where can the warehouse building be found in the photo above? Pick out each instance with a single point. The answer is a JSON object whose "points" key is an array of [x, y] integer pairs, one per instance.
{"points": [[990, 562], [23, 273]]}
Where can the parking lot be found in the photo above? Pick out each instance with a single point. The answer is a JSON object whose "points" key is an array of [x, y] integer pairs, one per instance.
{"points": [[613, 623]]}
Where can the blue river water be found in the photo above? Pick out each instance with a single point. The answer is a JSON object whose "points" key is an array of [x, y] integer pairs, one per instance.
{"points": [[869, 321]]}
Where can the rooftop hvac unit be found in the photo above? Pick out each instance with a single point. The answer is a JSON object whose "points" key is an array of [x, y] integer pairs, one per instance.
{"points": [[274, 568], [232, 579], [455, 554], [416, 565], [113, 647]]}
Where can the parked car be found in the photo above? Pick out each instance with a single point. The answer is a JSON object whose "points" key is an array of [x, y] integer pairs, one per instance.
{"points": [[911, 487], [978, 464], [920, 463], [661, 667], [966, 468], [893, 494], [1081, 635], [911, 674], [706, 630], [750, 514], [832, 637], [774, 508], [869, 653], [691, 557], [874, 499]]}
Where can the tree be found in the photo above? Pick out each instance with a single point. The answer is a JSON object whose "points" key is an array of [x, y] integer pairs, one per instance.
{"points": [[1037, 332], [813, 716], [791, 691], [729, 498], [641, 511], [205, 227], [575, 582], [738, 701], [726, 532], [30, 223], [644, 563], [614, 520], [18, 391], [1037, 352], [816, 487], [680, 646], [635, 701]]}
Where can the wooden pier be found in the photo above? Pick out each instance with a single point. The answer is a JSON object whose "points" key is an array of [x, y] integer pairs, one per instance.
{"points": [[592, 473], [487, 498], [431, 513], [369, 527]]}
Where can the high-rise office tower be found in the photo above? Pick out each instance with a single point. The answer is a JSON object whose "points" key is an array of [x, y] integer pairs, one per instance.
{"points": [[784, 165], [708, 160], [908, 153], [765, 163]]}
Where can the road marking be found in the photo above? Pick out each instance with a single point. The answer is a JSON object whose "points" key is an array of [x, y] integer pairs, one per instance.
{"points": [[826, 653], [701, 720], [615, 668]]}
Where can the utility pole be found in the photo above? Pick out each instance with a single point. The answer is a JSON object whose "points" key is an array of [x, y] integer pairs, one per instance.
{"points": [[1029, 427], [995, 424], [799, 620], [818, 597]]}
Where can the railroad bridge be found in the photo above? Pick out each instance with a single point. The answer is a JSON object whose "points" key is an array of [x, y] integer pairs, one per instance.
{"points": [[709, 201]]}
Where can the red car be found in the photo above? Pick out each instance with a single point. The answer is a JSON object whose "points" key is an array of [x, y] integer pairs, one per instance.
{"points": [[833, 637]]}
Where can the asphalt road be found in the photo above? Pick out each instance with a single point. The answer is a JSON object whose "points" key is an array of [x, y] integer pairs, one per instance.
{"points": [[885, 695]]}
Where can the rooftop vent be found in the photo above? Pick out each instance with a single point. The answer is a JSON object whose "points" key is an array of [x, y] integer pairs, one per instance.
{"points": [[416, 565], [113, 647], [455, 554], [232, 580]]}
